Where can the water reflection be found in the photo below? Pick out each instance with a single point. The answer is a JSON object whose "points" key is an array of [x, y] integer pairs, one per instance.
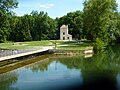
{"points": [[101, 71], [40, 66], [56, 77], [8, 79]]}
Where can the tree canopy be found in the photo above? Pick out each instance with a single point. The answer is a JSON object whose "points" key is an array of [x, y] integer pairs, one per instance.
{"points": [[100, 21], [6, 7], [36, 26]]}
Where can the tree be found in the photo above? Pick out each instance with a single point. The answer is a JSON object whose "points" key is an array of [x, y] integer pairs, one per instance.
{"points": [[100, 21], [75, 22], [22, 30], [44, 27], [118, 27], [13, 23], [5, 14], [39, 24]]}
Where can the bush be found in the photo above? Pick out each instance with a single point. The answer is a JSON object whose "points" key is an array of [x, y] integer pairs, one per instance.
{"points": [[99, 45]]}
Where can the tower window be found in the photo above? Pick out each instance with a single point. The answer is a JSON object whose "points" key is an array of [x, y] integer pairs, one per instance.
{"points": [[63, 33]]}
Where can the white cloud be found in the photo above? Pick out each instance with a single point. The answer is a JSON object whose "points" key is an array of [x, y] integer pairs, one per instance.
{"points": [[48, 5], [118, 1]]}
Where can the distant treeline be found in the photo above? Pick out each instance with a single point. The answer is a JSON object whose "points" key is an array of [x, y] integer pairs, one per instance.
{"points": [[39, 26], [36, 26]]}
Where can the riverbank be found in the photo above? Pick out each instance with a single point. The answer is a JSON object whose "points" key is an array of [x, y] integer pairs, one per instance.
{"points": [[73, 47], [29, 45], [70, 52], [58, 44], [22, 63], [62, 48], [56, 47], [20, 49]]}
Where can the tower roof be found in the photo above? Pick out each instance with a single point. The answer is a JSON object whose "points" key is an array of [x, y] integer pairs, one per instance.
{"points": [[64, 26]]}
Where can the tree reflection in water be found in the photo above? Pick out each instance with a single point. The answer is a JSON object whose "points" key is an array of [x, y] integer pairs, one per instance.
{"points": [[102, 71], [8, 79], [40, 66]]}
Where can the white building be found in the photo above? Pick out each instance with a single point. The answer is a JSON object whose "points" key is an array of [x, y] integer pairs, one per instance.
{"points": [[64, 33]]}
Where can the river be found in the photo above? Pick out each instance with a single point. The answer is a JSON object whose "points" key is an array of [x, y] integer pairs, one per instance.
{"points": [[67, 72]]}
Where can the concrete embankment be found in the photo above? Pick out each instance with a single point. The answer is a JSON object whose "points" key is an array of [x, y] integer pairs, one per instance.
{"points": [[59, 51], [44, 49], [16, 65]]}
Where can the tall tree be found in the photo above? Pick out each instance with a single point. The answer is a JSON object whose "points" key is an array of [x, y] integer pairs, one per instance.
{"points": [[44, 27], [5, 15], [39, 23], [99, 21], [13, 26], [118, 27], [22, 29]]}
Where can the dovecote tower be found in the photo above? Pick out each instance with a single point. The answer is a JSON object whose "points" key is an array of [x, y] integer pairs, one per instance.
{"points": [[64, 33]]}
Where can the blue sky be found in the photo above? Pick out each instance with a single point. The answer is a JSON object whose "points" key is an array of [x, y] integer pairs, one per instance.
{"points": [[54, 8]]}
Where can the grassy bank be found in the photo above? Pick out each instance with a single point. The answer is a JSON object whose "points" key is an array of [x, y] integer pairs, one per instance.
{"points": [[64, 45], [74, 45], [25, 45]]}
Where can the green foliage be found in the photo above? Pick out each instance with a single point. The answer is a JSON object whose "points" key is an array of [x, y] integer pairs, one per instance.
{"points": [[118, 27], [100, 21], [7, 5], [22, 29], [36, 26], [5, 15], [99, 45], [43, 27], [75, 22]]}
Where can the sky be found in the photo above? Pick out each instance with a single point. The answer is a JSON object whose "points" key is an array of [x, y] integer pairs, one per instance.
{"points": [[54, 8]]}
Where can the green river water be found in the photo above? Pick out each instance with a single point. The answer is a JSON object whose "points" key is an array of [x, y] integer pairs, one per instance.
{"points": [[68, 72]]}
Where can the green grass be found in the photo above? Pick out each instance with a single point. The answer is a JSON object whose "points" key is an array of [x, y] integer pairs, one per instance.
{"points": [[74, 48], [64, 45], [72, 45], [25, 45], [38, 43]]}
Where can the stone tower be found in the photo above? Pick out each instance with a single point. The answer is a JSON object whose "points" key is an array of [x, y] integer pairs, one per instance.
{"points": [[64, 33]]}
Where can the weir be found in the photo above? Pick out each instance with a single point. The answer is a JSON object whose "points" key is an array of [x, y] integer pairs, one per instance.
{"points": [[49, 49], [44, 49]]}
